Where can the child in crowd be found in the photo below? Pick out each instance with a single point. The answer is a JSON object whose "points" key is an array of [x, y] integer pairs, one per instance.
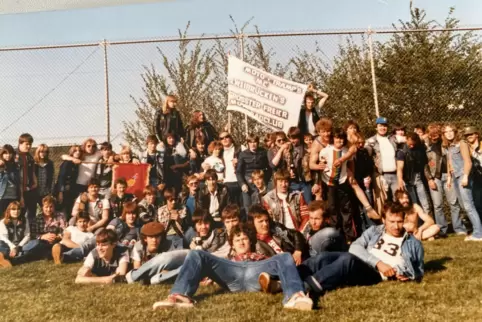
{"points": [[73, 237], [214, 161], [68, 173], [28, 179], [9, 178], [125, 226], [148, 205], [107, 263], [44, 171], [119, 197], [339, 192]]}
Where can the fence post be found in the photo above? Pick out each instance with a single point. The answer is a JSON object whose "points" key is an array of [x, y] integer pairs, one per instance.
{"points": [[372, 64], [241, 43], [106, 82]]}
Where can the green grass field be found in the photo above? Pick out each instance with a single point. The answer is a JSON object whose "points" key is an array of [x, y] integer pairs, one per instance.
{"points": [[450, 291]]}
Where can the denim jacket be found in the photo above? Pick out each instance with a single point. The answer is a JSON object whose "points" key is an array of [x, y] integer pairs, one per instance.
{"points": [[373, 147], [412, 251], [12, 174]]}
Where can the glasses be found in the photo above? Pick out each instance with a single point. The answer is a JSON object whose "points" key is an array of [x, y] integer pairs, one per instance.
{"points": [[170, 199], [225, 137], [193, 184]]}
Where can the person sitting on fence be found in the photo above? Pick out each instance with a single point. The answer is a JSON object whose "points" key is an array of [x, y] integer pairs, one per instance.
{"points": [[414, 214], [107, 263]]}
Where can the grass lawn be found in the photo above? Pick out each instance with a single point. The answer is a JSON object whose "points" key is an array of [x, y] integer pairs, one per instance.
{"points": [[450, 291]]}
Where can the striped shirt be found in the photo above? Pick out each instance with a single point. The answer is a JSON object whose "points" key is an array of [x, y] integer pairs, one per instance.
{"points": [[333, 176]]}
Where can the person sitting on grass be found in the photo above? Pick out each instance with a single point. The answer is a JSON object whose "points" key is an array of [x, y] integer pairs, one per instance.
{"points": [[153, 257], [414, 213], [318, 231], [237, 275], [48, 226], [73, 237], [107, 263], [206, 236], [148, 205], [174, 219], [120, 197], [274, 238], [15, 244], [125, 226], [258, 179]]}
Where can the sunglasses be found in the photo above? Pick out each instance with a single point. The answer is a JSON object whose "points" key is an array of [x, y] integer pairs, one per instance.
{"points": [[225, 137], [192, 184]]}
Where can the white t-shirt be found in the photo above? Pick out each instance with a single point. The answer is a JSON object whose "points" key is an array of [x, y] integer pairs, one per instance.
{"points": [[387, 154], [77, 236], [309, 123], [332, 176], [230, 171], [86, 170], [91, 206], [214, 205], [388, 249], [216, 164], [287, 220]]}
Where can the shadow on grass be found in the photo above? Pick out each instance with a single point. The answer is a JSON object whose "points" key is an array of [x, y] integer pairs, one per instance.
{"points": [[437, 265]]}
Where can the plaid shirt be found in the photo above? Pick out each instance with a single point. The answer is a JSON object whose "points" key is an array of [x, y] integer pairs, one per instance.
{"points": [[249, 257], [55, 225], [42, 181]]}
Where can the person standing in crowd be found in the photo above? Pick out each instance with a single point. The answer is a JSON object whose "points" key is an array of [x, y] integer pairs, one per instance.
{"points": [[168, 120], [280, 156], [411, 166], [252, 159], [214, 161], [44, 171], [399, 132], [459, 175], [9, 178], [66, 181], [284, 206], [324, 129], [230, 158], [213, 197], [28, 179], [103, 171], [309, 115], [155, 158], [176, 162], [436, 174], [87, 164], [383, 149], [419, 129], [297, 181], [200, 128], [472, 137]]}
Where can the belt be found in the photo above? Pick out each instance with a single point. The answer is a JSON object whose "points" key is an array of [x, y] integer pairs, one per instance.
{"points": [[389, 172]]}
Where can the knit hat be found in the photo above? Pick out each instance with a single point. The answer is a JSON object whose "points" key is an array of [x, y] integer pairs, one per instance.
{"points": [[152, 229]]}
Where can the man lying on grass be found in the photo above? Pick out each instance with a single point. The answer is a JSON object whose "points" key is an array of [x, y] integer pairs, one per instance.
{"points": [[239, 274], [384, 252], [107, 263]]}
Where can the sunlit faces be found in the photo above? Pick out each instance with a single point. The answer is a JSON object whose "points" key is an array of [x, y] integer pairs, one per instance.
{"points": [[226, 140], [404, 199], [325, 135], [308, 140], [14, 212], [171, 103], [24, 147], [150, 198], [217, 152], [472, 138], [89, 147], [351, 130], [6, 156], [105, 250], [82, 224], [48, 209], [252, 145], [120, 189], [152, 243], [203, 228], [93, 190], [382, 129], [151, 147], [258, 181], [241, 244], [309, 103], [394, 224], [200, 147], [211, 183], [193, 185], [449, 133], [282, 185], [229, 223], [316, 219], [261, 224], [338, 142], [131, 218], [434, 137], [280, 141]]}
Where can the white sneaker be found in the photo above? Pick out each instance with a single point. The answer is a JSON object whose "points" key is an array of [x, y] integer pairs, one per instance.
{"points": [[461, 233], [299, 301], [129, 277], [472, 238]]}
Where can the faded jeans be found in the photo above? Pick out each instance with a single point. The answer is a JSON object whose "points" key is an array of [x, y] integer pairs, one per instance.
{"points": [[391, 184], [236, 276], [437, 199], [417, 192], [327, 239], [152, 270], [465, 197]]}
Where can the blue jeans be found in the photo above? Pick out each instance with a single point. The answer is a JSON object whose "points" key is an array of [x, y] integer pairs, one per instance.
{"points": [[305, 189], [437, 199], [391, 181], [327, 239], [477, 194], [77, 254], [330, 270], [465, 197], [152, 270], [32, 251], [417, 192], [177, 242], [236, 276]]}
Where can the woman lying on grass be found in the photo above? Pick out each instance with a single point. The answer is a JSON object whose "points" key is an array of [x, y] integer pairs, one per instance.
{"points": [[107, 263], [239, 274]]}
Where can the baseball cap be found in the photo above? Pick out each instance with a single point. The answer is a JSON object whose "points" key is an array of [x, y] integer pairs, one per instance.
{"points": [[470, 130], [152, 229], [382, 120]]}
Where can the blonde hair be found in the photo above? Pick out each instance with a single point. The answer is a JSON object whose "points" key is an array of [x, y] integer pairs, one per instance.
{"points": [[165, 105], [41, 147], [445, 142]]}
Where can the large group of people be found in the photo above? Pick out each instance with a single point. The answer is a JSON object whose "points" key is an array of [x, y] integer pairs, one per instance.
{"points": [[302, 212]]}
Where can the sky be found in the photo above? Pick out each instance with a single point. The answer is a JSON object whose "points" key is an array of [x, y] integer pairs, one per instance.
{"points": [[37, 87]]}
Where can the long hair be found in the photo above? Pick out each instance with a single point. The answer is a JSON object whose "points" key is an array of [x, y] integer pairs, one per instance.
{"points": [[41, 147], [129, 207], [91, 141], [446, 143], [165, 105], [194, 119], [75, 148], [9, 208], [8, 148]]}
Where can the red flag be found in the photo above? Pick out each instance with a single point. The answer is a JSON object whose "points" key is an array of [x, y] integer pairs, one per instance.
{"points": [[136, 175]]}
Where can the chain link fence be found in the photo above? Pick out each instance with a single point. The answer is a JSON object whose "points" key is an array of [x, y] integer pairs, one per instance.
{"points": [[110, 90]]}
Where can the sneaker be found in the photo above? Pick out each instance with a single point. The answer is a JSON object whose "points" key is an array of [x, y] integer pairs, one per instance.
{"points": [[5, 263], [57, 254], [461, 233], [431, 239], [472, 238], [299, 301], [268, 285], [174, 301]]}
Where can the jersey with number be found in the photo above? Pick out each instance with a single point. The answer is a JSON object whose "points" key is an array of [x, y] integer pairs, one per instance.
{"points": [[388, 249]]}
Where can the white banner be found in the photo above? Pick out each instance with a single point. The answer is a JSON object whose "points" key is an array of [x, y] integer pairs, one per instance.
{"points": [[269, 99], [24, 6]]}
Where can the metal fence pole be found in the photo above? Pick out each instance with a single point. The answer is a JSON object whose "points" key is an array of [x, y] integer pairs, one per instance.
{"points": [[372, 64], [106, 80], [242, 58]]}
